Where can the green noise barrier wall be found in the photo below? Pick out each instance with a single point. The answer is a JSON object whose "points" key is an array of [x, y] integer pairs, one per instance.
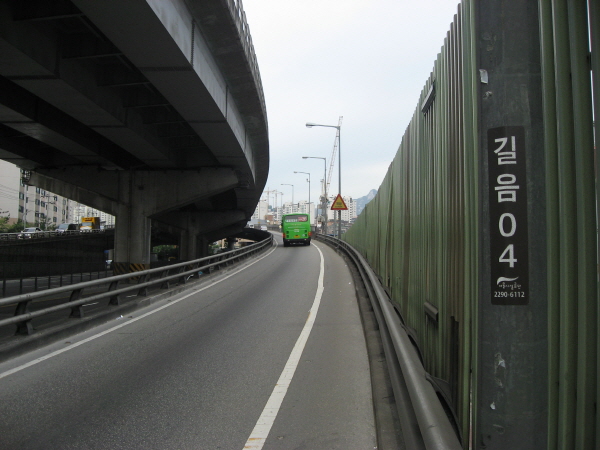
{"points": [[514, 77]]}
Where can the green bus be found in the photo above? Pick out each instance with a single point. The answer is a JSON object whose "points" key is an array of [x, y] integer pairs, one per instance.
{"points": [[296, 229]]}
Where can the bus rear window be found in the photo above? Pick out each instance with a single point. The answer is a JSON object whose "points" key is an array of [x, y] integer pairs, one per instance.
{"points": [[296, 219]]}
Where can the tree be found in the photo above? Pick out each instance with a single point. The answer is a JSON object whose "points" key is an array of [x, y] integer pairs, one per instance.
{"points": [[4, 224], [165, 252], [46, 224], [17, 226]]}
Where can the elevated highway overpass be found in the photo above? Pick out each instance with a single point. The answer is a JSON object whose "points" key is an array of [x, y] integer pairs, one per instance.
{"points": [[148, 110]]}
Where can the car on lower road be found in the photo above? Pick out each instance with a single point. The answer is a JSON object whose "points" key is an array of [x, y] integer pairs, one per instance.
{"points": [[67, 227], [28, 233]]}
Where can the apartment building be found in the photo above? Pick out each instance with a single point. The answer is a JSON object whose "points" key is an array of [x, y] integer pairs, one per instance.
{"points": [[262, 208], [30, 204]]}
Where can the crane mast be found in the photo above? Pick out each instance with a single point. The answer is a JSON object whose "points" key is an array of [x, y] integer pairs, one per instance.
{"points": [[268, 192], [333, 153]]}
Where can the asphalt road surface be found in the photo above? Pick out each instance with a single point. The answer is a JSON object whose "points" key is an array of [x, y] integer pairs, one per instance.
{"points": [[271, 356]]}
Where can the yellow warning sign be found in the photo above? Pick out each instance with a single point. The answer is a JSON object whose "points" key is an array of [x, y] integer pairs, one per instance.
{"points": [[338, 204]]}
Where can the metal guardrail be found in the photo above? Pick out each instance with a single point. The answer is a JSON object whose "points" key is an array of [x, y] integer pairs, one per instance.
{"points": [[21, 277], [145, 279], [48, 234], [437, 432]]}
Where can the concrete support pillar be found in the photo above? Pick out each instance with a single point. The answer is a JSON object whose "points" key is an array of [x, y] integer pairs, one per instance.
{"points": [[193, 246], [188, 245], [202, 247], [136, 196], [132, 242], [198, 228], [132, 233], [231, 242]]}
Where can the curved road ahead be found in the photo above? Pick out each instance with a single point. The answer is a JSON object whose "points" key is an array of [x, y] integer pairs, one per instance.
{"points": [[222, 366]]}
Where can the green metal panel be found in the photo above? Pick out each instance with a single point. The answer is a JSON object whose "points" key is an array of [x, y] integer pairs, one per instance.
{"points": [[586, 224], [422, 231], [594, 20], [552, 215], [470, 162], [571, 218], [568, 231], [417, 230]]}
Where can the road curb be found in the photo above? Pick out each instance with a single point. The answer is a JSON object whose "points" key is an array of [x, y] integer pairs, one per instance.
{"points": [[388, 428]]}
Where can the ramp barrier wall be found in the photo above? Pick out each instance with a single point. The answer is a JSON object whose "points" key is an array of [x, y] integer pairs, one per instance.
{"points": [[427, 232]]}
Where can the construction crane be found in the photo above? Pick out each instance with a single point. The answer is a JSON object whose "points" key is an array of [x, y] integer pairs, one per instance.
{"points": [[327, 182], [335, 149], [268, 192]]}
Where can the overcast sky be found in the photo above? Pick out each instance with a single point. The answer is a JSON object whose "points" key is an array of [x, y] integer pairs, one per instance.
{"points": [[365, 60]]}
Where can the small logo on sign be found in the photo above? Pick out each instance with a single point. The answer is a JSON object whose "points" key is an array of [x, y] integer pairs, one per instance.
{"points": [[503, 279]]}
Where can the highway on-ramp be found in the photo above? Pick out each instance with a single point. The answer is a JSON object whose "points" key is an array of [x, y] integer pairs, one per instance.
{"points": [[268, 355]]}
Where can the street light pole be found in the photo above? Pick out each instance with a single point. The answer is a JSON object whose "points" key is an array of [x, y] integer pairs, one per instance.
{"points": [[285, 184], [276, 204], [339, 133], [324, 201], [308, 188]]}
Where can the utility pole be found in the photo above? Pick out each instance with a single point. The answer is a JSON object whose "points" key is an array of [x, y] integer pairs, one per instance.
{"points": [[512, 342]]}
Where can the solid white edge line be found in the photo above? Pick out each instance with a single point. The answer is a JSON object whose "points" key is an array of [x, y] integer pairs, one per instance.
{"points": [[267, 418], [96, 336]]}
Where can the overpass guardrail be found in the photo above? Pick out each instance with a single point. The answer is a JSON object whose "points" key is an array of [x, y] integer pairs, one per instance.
{"points": [[437, 424], [19, 236], [18, 278], [79, 294]]}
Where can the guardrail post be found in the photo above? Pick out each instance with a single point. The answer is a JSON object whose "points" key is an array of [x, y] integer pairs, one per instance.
{"points": [[24, 327], [20, 278], [193, 266], [182, 279], [166, 284], [76, 311], [144, 290], [3, 279], [115, 299]]}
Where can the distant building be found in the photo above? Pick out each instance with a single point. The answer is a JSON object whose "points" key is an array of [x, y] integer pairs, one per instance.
{"points": [[31, 204], [306, 208], [81, 210], [10, 178], [261, 211], [302, 207]]}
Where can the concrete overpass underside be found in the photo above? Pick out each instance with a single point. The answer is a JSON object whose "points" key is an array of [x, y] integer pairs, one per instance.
{"points": [[149, 110]]}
